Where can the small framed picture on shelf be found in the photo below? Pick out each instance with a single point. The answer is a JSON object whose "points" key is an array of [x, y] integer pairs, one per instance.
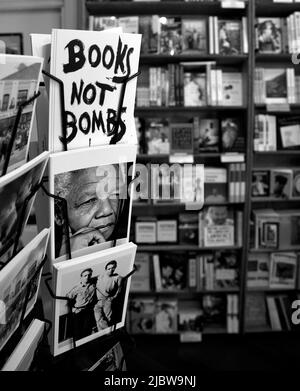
{"points": [[11, 43], [271, 234], [260, 186]]}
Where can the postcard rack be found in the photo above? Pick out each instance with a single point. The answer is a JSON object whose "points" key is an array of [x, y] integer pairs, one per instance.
{"points": [[117, 136], [15, 130]]}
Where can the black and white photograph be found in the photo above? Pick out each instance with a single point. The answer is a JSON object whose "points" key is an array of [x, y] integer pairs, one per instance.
{"points": [[15, 188], [14, 283], [19, 81], [271, 234], [98, 195], [11, 43], [260, 186], [98, 289]]}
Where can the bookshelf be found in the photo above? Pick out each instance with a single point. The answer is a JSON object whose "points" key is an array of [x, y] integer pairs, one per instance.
{"points": [[246, 111]]}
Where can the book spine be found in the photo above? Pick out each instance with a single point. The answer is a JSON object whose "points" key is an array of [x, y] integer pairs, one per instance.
{"points": [[211, 34], [201, 230], [192, 268], [245, 34], [157, 275]]}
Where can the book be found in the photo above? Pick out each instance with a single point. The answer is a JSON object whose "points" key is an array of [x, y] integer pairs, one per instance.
{"points": [[281, 182], [256, 312], [283, 267], [15, 188], [19, 81], [194, 35], [170, 35], [142, 315], [214, 312], [167, 231], [260, 186], [206, 135], [157, 137], [93, 65], [190, 321], [15, 278], [94, 183], [233, 138], [275, 86], [296, 183], [166, 183], [232, 86], [269, 35], [188, 228], [23, 355], [229, 37], [166, 312], [289, 131], [141, 278], [105, 289], [195, 89], [181, 138], [146, 230], [215, 185], [170, 272], [258, 272], [226, 270], [217, 227]]}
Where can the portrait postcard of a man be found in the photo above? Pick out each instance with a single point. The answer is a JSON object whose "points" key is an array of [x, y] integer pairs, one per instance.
{"points": [[96, 186]]}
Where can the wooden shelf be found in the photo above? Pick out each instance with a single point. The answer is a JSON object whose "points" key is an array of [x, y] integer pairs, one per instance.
{"points": [[258, 200], [264, 8], [188, 294], [271, 290], [277, 153], [159, 59], [274, 250], [165, 8], [154, 110], [294, 108], [178, 247], [265, 57]]}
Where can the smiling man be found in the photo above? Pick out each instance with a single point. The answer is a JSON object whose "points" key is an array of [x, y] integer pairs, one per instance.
{"points": [[95, 198]]}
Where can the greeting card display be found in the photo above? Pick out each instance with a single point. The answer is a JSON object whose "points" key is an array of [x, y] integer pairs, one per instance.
{"points": [[93, 67]]}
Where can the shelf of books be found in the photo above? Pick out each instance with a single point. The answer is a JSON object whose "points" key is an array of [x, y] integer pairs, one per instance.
{"points": [[273, 261], [192, 100]]}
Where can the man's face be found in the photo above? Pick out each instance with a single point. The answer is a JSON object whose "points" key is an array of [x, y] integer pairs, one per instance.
{"points": [[85, 277], [91, 204], [219, 215], [110, 270]]}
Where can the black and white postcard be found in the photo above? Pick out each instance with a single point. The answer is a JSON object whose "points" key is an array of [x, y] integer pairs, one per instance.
{"points": [[15, 187], [14, 283], [19, 81], [98, 292], [96, 185]]}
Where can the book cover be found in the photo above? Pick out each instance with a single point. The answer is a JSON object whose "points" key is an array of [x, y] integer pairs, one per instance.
{"points": [[15, 188], [146, 231], [167, 231], [233, 137], [166, 183], [93, 66], [283, 270], [98, 286], [181, 138], [281, 183], [194, 35], [232, 85], [166, 312], [206, 135], [193, 186], [100, 23], [195, 89], [19, 81], [289, 133], [141, 278], [218, 226], [296, 183], [230, 37], [157, 137], [275, 84], [256, 312], [269, 35], [190, 321], [14, 283], [258, 273], [215, 185], [170, 35], [113, 360], [173, 272], [226, 270], [214, 311], [260, 186], [94, 182], [188, 228], [142, 315]]}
